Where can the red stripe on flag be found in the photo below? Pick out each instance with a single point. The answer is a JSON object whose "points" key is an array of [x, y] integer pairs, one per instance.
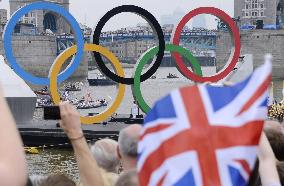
{"points": [[200, 128], [162, 180], [245, 166], [157, 128]]}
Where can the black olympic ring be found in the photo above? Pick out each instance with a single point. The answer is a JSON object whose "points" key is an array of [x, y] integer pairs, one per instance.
{"points": [[154, 25]]}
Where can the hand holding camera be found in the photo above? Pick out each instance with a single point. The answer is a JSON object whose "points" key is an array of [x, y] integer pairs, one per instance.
{"points": [[70, 121]]}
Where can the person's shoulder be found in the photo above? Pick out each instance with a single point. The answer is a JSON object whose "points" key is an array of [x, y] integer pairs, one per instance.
{"points": [[109, 177]]}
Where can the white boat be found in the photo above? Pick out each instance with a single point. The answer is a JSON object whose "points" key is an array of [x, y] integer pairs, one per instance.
{"points": [[92, 104]]}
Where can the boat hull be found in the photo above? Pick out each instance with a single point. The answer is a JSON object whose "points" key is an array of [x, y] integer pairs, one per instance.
{"points": [[91, 107], [100, 82], [72, 90], [172, 77]]}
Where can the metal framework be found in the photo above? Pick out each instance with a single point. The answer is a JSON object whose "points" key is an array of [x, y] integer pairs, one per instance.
{"points": [[199, 40]]}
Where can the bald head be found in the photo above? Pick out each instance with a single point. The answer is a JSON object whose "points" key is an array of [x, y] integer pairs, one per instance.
{"points": [[104, 151], [128, 140]]}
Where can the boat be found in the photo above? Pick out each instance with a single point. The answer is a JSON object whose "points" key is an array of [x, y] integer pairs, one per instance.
{"points": [[75, 101], [31, 150], [100, 80], [73, 86], [43, 91], [43, 102], [153, 77], [172, 76], [72, 89], [91, 104]]}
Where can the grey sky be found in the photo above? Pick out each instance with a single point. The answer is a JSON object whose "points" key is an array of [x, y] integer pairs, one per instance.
{"points": [[89, 11]]}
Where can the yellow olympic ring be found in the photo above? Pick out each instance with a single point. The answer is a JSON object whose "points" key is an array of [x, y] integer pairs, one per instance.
{"points": [[55, 70]]}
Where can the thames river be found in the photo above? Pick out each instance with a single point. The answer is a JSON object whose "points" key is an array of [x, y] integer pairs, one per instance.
{"points": [[50, 161]]}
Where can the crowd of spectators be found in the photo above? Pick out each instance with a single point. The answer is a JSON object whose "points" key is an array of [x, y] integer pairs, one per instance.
{"points": [[108, 162]]}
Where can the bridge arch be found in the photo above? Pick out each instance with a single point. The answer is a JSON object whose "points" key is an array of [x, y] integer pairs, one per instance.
{"points": [[50, 22], [280, 13]]}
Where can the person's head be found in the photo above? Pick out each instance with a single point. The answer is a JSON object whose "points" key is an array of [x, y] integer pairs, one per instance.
{"points": [[57, 180], [276, 140], [104, 151], [127, 145], [128, 178]]}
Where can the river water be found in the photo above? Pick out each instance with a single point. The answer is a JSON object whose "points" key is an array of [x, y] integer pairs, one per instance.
{"points": [[50, 161]]}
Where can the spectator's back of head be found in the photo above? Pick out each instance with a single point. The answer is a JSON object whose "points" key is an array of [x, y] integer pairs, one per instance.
{"points": [[128, 140], [128, 178], [57, 180], [276, 140], [104, 151]]}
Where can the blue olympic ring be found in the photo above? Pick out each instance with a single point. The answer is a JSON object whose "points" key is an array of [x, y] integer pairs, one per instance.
{"points": [[7, 38]]}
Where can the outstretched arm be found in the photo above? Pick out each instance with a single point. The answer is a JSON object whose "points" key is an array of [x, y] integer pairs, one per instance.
{"points": [[13, 168], [88, 168], [267, 163]]}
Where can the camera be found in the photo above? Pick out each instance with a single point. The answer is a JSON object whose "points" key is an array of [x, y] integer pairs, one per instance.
{"points": [[51, 113]]}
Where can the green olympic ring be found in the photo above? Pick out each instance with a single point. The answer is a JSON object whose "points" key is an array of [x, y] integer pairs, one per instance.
{"points": [[149, 54]]}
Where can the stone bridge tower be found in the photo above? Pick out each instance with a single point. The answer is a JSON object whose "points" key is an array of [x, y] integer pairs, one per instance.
{"points": [[43, 19], [271, 12], [36, 53], [258, 41]]}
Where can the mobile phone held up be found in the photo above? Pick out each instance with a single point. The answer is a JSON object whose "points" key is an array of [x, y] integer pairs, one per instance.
{"points": [[51, 113]]}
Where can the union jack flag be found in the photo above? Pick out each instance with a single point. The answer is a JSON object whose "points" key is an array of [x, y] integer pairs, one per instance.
{"points": [[204, 135]]}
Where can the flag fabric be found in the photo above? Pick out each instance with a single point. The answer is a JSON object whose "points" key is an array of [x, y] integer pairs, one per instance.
{"points": [[204, 135]]}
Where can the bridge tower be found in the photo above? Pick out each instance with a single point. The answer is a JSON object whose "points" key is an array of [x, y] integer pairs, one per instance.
{"points": [[43, 19]]}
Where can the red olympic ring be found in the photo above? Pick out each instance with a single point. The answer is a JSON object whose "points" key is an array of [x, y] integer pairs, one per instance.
{"points": [[234, 33]]}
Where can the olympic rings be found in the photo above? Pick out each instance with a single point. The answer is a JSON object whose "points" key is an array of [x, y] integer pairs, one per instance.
{"points": [[118, 76], [155, 26], [119, 70], [234, 55], [7, 39], [145, 58]]}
